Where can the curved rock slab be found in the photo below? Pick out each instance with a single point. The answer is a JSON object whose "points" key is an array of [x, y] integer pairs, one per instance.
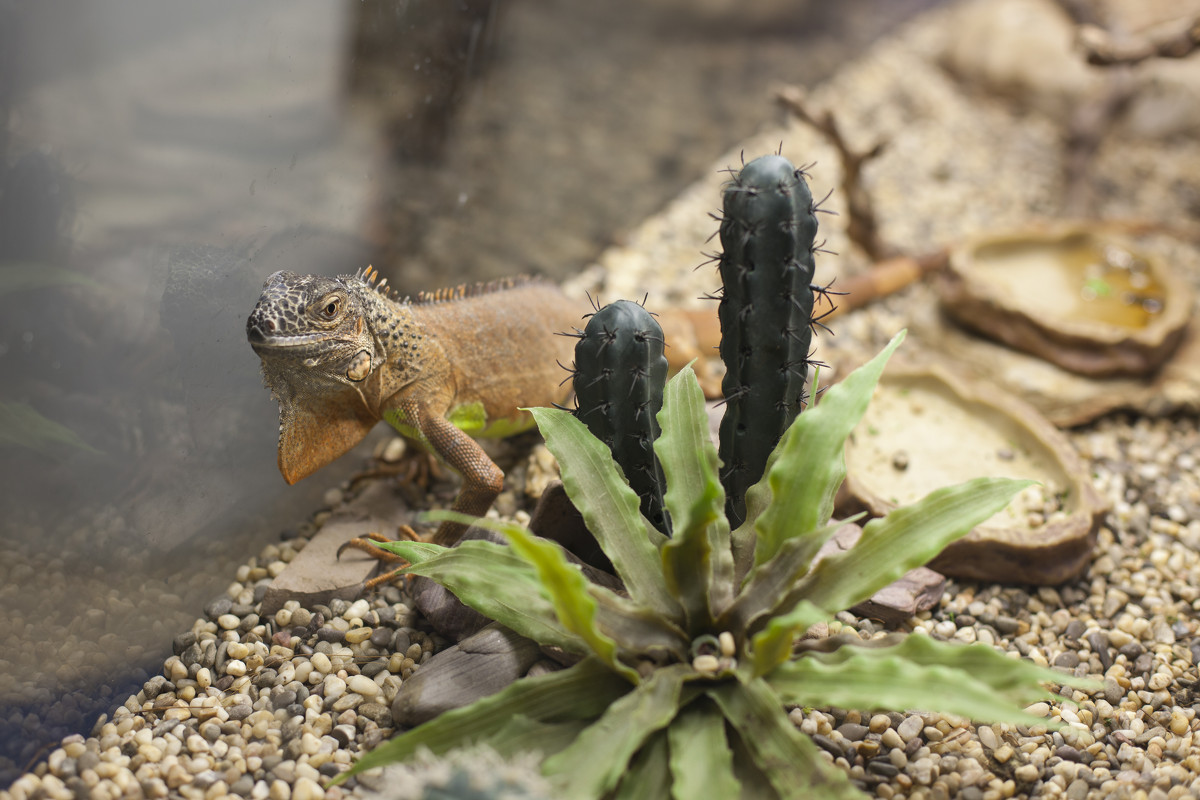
{"points": [[926, 429], [1071, 294], [476, 667]]}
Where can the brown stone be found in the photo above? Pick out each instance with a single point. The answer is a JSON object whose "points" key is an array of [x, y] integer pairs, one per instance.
{"points": [[918, 590]]}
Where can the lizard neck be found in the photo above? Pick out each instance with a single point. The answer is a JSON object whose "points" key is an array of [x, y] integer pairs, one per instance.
{"points": [[403, 350]]}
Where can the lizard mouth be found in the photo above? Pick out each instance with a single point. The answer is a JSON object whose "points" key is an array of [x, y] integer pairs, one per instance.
{"points": [[261, 341]]}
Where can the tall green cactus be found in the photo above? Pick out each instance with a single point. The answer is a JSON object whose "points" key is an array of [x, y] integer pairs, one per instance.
{"points": [[619, 375], [766, 266]]}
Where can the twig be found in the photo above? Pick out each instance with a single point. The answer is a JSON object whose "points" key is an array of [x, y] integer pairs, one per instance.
{"points": [[1103, 50], [861, 227]]}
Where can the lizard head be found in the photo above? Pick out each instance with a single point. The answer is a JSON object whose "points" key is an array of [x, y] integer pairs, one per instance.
{"points": [[317, 350], [314, 325]]}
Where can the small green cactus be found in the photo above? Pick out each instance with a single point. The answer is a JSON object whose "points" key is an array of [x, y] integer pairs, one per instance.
{"points": [[766, 312], [620, 371]]}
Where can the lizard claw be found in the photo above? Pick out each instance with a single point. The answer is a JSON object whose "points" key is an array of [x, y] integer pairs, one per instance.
{"points": [[367, 544]]}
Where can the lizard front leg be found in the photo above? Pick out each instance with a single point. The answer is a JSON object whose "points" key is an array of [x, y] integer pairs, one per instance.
{"points": [[482, 482], [482, 479]]}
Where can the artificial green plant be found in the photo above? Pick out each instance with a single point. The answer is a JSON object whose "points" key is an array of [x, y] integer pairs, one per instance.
{"points": [[698, 660]]}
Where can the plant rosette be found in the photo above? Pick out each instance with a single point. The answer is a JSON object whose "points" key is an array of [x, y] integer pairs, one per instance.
{"points": [[682, 683]]}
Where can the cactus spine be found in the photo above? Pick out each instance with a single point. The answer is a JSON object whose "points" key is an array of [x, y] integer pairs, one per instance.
{"points": [[766, 266], [620, 371]]}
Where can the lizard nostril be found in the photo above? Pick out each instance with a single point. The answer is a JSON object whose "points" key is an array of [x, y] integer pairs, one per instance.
{"points": [[270, 326]]}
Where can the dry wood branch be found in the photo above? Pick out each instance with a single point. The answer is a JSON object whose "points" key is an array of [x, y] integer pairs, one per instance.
{"points": [[861, 226], [1105, 51]]}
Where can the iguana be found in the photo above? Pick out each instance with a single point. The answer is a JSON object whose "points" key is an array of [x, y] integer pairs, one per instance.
{"points": [[341, 354]]}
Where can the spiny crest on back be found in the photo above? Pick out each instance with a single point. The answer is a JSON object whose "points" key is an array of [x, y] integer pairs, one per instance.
{"points": [[468, 290], [369, 275]]}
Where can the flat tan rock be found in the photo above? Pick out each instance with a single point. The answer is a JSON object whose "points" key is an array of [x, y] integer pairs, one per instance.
{"points": [[928, 428], [1075, 295], [1065, 398], [316, 575]]}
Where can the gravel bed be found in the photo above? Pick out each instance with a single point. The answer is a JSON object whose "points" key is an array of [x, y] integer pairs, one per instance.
{"points": [[250, 706], [272, 707]]}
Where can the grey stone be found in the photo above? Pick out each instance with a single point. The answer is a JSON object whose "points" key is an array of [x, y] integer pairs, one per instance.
{"points": [[476, 667]]}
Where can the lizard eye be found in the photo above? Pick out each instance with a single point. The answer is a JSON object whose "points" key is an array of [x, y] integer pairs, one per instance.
{"points": [[331, 307]]}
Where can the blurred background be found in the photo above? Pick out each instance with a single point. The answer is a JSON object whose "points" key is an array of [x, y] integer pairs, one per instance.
{"points": [[159, 158]]}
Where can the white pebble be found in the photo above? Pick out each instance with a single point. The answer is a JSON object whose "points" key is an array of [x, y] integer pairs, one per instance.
{"points": [[309, 744], [335, 687], [357, 610], [363, 685], [235, 668], [356, 635], [393, 451], [1026, 773], [909, 728]]}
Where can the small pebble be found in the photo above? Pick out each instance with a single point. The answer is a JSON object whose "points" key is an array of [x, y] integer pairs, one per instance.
{"points": [[356, 635]]}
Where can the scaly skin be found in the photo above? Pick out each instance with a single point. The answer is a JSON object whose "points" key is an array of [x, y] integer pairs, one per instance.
{"points": [[340, 355]]}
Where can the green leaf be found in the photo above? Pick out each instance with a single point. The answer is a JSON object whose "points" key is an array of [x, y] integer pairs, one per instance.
{"points": [[648, 777], [610, 508], [595, 762], [788, 758], [500, 583], [581, 692], [569, 591], [637, 630], [904, 539], [522, 734], [700, 758], [21, 425], [1016, 679], [697, 561], [772, 646], [496, 582], [412, 552], [768, 586], [975, 682], [810, 466]]}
